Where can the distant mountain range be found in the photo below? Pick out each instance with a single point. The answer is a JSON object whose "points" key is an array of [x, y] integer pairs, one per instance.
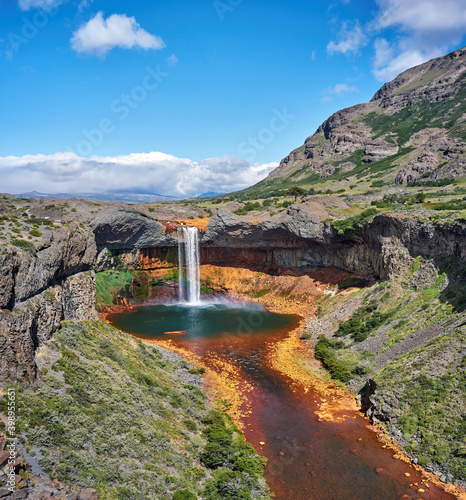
{"points": [[121, 196]]}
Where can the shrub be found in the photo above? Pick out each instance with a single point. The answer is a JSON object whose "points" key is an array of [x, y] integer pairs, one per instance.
{"points": [[355, 222], [184, 495], [25, 245], [324, 353], [35, 232]]}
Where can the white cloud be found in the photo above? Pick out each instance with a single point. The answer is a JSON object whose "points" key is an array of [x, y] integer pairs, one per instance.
{"points": [[405, 60], [338, 90], [153, 172], [341, 88], [84, 4], [39, 4], [424, 29], [172, 60], [430, 16], [351, 39], [99, 35]]}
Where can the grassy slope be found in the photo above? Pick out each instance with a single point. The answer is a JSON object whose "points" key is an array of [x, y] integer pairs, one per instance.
{"points": [[113, 413], [409, 335]]}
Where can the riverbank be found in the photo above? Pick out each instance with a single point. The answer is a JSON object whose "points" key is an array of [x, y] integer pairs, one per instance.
{"points": [[289, 356]]}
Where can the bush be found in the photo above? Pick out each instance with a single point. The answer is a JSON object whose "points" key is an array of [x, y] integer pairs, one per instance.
{"points": [[248, 207], [324, 353], [355, 222], [362, 323], [25, 245], [35, 232], [184, 495]]}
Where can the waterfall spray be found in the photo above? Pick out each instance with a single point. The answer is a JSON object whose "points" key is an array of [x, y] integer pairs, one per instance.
{"points": [[188, 263]]}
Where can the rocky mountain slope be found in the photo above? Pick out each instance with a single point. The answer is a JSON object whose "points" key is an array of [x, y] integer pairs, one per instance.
{"points": [[413, 129]]}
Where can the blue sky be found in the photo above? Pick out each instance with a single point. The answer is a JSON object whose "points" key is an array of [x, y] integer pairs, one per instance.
{"points": [[95, 86]]}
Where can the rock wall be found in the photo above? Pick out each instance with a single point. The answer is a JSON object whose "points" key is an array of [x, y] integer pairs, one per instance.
{"points": [[377, 251], [33, 321]]}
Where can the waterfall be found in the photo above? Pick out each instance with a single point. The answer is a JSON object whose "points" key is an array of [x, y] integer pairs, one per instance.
{"points": [[188, 263]]}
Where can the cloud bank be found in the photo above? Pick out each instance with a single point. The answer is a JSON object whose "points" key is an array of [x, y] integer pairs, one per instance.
{"points": [[100, 35], [153, 172]]}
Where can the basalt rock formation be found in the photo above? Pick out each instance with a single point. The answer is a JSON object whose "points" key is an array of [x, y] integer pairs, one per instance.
{"points": [[301, 238]]}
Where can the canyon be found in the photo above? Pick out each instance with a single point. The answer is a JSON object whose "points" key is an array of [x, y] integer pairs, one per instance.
{"points": [[377, 275]]}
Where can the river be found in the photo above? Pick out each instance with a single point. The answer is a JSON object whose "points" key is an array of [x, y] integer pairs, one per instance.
{"points": [[309, 457]]}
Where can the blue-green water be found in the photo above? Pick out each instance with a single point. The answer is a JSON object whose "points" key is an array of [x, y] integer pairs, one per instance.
{"points": [[210, 320]]}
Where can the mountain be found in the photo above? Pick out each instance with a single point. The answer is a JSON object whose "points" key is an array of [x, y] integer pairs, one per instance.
{"points": [[109, 196], [413, 129]]}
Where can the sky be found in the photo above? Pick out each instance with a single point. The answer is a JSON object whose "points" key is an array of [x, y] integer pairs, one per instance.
{"points": [[186, 97]]}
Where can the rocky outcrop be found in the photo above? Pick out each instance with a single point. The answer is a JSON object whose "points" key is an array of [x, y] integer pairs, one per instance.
{"points": [[34, 320], [125, 228], [432, 81], [378, 150], [25, 273]]}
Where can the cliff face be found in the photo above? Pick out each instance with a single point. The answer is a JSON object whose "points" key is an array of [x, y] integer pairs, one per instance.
{"points": [[298, 239]]}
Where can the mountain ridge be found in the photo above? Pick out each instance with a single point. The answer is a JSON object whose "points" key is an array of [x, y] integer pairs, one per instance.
{"points": [[419, 116]]}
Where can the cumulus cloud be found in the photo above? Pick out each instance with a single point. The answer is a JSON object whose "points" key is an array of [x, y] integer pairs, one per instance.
{"points": [[153, 172], [425, 29], [405, 34], [404, 60], [100, 35], [39, 4], [351, 39], [172, 60], [339, 89], [428, 16]]}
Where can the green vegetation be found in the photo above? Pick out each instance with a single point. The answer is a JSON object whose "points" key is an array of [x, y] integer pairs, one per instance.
{"points": [[455, 204], [24, 245], [324, 352], [412, 119], [354, 223], [364, 321], [248, 207], [35, 232], [39, 221], [391, 200], [238, 468], [296, 191], [109, 284], [429, 401], [111, 412], [421, 390]]}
